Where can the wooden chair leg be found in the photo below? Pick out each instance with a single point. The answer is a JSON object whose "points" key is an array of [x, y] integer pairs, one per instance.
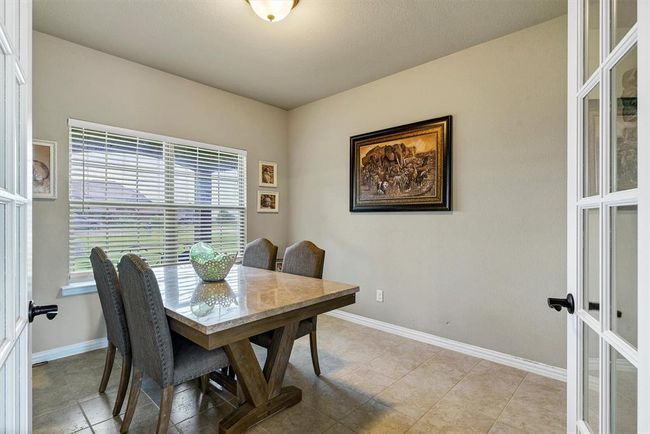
{"points": [[204, 380], [314, 352], [165, 409], [124, 384], [136, 382], [108, 367]]}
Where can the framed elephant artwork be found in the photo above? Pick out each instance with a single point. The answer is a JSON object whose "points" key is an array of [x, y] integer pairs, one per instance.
{"points": [[404, 168]]}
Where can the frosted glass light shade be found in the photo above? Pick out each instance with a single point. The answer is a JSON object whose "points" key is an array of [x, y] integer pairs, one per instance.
{"points": [[272, 10]]}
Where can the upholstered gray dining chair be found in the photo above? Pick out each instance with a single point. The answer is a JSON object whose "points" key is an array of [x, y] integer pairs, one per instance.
{"points": [[260, 253], [167, 358], [110, 297], [304, 259]]}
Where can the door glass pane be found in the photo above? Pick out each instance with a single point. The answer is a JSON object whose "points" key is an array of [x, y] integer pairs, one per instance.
{"points": [[623, 394], [590, 378], [623, 17], [3, 403], [624, 123], [18, 142], [20, 285], [623, 236], [591, 139], [4, 149], [591, 37], [590, 262], [3, 259]]}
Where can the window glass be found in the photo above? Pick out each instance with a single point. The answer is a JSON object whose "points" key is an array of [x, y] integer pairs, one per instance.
{"points": [[624, 123], [153, 198]]}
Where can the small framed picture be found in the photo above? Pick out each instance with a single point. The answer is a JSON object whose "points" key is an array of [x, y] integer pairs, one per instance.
{"points": [[268, 201], [44, 170], [268, 174]]}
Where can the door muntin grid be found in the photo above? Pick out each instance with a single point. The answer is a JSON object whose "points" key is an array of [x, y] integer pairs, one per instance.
{"points": [[617, 105]]}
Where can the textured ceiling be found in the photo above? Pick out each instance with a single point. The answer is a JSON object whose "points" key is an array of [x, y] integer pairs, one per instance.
{"points": [[321, 48]]}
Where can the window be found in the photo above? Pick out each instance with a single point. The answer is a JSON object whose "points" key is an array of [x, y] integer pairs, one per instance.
{"points": [[154, 196]]}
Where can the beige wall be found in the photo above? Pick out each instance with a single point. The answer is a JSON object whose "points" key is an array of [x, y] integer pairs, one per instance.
{"points": [[481, 273], [74, 81]]}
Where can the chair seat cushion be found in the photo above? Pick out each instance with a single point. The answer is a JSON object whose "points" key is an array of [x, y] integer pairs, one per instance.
{"points": [[305, 327], [192, 361]]}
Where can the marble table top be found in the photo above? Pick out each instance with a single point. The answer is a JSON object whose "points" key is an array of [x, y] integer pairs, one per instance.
{"points": [[247, 295]]}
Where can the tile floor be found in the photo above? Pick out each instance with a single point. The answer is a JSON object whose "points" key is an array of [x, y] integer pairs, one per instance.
{"points": [[372, 382]]}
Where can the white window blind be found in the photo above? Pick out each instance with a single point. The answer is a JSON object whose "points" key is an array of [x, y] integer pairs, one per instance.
{"points": [[154, 196]]}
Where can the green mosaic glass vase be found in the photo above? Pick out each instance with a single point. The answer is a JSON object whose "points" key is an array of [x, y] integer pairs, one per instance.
{"points": [[210, 265]]}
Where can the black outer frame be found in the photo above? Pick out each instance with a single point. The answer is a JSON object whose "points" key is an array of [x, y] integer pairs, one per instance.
{"points": [[446, 168]]}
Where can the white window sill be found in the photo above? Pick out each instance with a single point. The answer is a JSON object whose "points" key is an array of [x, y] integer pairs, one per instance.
{"points": [[78, 288]]}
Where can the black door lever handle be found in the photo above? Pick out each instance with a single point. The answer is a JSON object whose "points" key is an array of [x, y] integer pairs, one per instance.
{"points": [[559, 303], [50, 311]]}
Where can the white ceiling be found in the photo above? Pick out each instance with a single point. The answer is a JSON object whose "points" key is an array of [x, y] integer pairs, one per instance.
{"points": [[321, 48]]}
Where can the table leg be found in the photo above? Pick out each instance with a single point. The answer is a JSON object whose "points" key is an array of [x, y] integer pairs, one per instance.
{"points": [[263, 391]]}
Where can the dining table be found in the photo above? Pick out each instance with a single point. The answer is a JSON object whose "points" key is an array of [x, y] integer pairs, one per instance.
{"points": [[250, 301]]}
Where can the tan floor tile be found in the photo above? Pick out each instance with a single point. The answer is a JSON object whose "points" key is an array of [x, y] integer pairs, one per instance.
{"points": [[415, 393], [395, 365], [366, 381], [298, 419], [453, 392], [339, 428], [424, 428], [100, 408], [206, 422], [484, 392], [191, 402], [502, 428], [539, 404], [449, 417], [63, 420], [144, 421], [333, 399], [374, 417], [257, 429], [452, 360], [486, 366], [421, 428], [409, 345], [76, 377]]}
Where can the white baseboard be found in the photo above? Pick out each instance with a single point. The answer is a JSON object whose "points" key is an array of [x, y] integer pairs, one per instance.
{"points": [[69, 350], [471, 350]]}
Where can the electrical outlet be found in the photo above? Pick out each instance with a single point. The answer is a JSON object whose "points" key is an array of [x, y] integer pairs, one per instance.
{"points": [[380, 296]]}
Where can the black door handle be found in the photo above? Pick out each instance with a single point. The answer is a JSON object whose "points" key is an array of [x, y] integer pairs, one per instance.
{"points": [[50, 311], [559, 303]]}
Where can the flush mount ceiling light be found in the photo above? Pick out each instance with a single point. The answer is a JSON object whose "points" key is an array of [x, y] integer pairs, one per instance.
{"points": [[272, 10]]}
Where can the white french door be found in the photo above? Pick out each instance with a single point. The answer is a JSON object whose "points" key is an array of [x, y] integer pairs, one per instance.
{"points": [[15, 214], [608, 216]]}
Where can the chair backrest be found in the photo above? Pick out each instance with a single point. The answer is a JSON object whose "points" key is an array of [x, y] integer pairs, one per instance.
{"points": [[151, 342], [110, 297], [260, 253], [305, 259]]}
